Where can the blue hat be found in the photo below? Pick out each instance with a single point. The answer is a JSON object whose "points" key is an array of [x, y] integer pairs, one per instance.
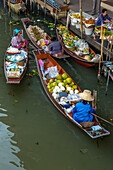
{"points": [[16, 31]]}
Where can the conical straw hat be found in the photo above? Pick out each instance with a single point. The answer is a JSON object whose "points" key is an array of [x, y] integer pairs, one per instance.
{"points": [[86, 95]]}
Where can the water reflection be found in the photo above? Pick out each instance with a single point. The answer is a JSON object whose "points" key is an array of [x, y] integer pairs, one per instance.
{"points": [[8, 159]]}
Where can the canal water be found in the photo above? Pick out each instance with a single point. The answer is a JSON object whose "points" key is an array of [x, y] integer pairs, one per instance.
{"points": [[33, 133]]}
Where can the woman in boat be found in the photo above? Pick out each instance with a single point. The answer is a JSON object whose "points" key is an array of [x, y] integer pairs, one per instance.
{"points": [[103, 18], [55, 48], [18, 41], [81, 111]]}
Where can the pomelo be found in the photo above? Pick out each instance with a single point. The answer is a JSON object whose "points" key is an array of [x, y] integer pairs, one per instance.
{"points": [[64, 76], [69, 80], [58, 77], [72, 84], [54, 84], [74, 87], [51, 81]]}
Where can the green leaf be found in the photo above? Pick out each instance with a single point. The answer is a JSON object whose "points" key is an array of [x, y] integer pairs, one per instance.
{"points": [[16, 101], [33, 71]]}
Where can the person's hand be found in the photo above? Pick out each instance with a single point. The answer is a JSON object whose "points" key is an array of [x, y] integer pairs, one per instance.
{"points": [[107, 21], [94, 37]]}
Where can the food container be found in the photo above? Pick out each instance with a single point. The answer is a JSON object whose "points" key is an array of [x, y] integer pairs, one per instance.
{"points": [[71, 48], [88, 31], [77, 25]]}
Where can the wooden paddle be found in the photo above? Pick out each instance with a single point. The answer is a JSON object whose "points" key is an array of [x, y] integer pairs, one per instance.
{"points": [[102, 118], [102, 41], [81, 18]]}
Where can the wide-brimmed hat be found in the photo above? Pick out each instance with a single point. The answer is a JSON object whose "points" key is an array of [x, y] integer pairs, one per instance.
{"points": [[86, 95], [16, 31]]}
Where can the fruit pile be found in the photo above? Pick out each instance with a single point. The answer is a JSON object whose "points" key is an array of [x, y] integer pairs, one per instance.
{"points": [[60, 84], [77, 16], [74, 43], [90, 21]]}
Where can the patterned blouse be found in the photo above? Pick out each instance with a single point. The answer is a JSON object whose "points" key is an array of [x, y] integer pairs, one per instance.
{"points": [[16, 41]]}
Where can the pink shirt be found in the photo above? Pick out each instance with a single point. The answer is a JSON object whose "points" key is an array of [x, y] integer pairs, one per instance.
{"points": [[16, 41]]}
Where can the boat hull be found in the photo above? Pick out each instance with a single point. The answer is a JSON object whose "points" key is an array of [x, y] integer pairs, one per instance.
{"points": [[14, 80], [56, 104]]}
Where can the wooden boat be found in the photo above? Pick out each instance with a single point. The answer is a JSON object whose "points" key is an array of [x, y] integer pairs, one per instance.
{"points": [[50, 62], [17, 5], [15, 80], [78, 59], [26, 23]]}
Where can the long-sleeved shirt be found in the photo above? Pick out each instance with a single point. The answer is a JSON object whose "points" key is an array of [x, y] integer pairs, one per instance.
{"points": [[81, 112], [55, 47], [101, 19], [16, 41]]}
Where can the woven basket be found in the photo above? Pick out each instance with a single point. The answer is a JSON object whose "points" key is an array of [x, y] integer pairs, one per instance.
{"points": [[87, 124]]}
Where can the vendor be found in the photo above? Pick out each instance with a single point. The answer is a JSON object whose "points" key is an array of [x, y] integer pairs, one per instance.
{"points": [[81, 111], [18, 41], [103, 18], [55, 47]]}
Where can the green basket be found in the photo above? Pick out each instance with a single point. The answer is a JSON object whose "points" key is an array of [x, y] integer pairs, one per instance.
{"points": [[97, 28]]}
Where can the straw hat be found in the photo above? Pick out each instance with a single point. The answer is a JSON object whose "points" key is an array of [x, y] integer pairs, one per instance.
{"points": [[86, 95]]}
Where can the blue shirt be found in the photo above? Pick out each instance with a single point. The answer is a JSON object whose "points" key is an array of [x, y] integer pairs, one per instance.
{"points": [[81, 112], [101, 20], [55, 47]]}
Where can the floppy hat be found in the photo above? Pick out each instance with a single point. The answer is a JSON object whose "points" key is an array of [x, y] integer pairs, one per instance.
{"points": [[16, 31], [86, 95]]}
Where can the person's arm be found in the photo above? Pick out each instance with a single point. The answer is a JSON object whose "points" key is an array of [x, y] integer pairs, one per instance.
{"points": [[107, 21], [108, 18], [22, 39]]}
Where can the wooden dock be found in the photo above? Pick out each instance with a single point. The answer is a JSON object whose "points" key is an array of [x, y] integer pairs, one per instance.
{"points": [[56, 9]]}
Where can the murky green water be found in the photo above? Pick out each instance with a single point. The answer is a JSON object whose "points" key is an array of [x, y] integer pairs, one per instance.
{"points": [[33, 133]]}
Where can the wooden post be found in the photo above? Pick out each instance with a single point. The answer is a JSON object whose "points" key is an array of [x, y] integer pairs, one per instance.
{"points": [[4, 3], [94, 102], [111, 48], [55, 16], [68, 19], [95, 99], [30, 5], [9, 6], [26, 2], [45, 6], [107, 83], [81, 17], [102, 41]]}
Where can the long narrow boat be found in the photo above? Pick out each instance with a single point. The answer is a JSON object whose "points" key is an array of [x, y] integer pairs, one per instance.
{"points": [[15, 74], [77, 58], [26, 23], [48, 62]]}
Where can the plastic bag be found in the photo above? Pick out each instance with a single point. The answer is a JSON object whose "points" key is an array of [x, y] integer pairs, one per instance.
{"points": [[53, 71]]}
